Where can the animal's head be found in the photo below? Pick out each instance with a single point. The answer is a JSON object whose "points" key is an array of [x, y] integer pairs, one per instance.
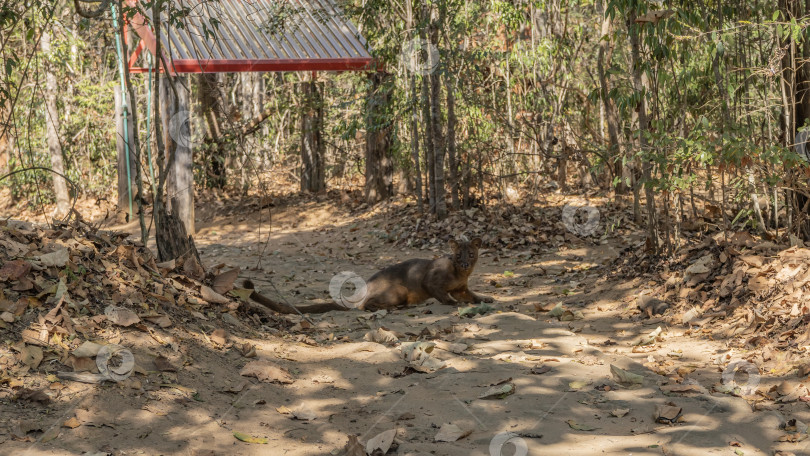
{"points": [[465, 254]]}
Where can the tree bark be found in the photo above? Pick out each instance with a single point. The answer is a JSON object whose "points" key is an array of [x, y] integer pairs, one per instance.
{"points": [[313, 177], [52, 134], [409, 18], [127, 183], [646, 165], [451, 143], [611, 116], [210, 108], [180, 177], [379, 165], [427, 121], [436, 125], [796, 98]]}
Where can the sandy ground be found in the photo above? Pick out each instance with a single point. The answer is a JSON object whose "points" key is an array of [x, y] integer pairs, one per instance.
{"points": [[352, 386]]}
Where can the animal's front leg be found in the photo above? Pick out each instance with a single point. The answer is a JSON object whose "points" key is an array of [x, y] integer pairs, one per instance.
{"points": [[478, 297], [463, 295], [442, 296]]}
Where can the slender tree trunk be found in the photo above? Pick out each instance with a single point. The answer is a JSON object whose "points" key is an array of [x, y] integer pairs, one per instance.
{"points": [[180, 177], [437, 20], [52, 133], [379, 163], [417, 168], [210, 105], [427, 121], [438, 148], [451, 143], [796, 99], [133, 130], [5, 148], [313, 176], [646, 165], [611, 116]]}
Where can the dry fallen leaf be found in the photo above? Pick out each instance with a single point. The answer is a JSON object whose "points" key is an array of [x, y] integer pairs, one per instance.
{"points": [[580, 427], [164, 365], [302, 412], [499, 391], [72, 423], [382, 336], [14, 270], [58, 258], [87, 350], [266, 372], [121, 316], [31, 356], [223, 282], [626, 378], [219, 336], [161, 320], [618, 413], [450, 433], [212, 296], [248, 438], [667, 414], [381, 442]]}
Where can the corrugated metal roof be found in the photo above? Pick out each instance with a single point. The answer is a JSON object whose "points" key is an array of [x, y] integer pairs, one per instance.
{"points": [[259, 35]]}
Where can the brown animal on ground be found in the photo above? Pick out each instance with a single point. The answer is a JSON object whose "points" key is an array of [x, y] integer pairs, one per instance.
{"points": [[408, 283]]}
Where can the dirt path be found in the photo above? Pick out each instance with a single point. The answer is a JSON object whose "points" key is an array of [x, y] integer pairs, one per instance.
{"points": [[353, 386]]}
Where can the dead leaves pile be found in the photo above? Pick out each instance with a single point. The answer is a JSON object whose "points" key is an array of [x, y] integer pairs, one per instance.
{"points": [[750, 292], [67, 293], [522, 222]]}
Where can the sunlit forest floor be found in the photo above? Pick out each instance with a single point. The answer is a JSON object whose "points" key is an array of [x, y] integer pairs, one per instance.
{"points": [[557, 379]]}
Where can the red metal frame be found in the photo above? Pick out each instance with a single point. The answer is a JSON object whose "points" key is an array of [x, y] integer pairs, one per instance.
{"points": [[148, 41], [242, 66]]}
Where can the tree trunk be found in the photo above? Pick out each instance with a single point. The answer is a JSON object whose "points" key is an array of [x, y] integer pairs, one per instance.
{"points": [[180, 169], [646, 165], [427, 121], [451, 143], [127, 183], [436, 124], [379, 163], [210, 107], [52, 134], [5, 149], [313, 177], [417, 168], [420, 202], [611, 116]]}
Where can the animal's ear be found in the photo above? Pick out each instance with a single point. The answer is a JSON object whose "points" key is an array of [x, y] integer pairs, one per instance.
{"points": [[454, 245], [476, 242]]}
